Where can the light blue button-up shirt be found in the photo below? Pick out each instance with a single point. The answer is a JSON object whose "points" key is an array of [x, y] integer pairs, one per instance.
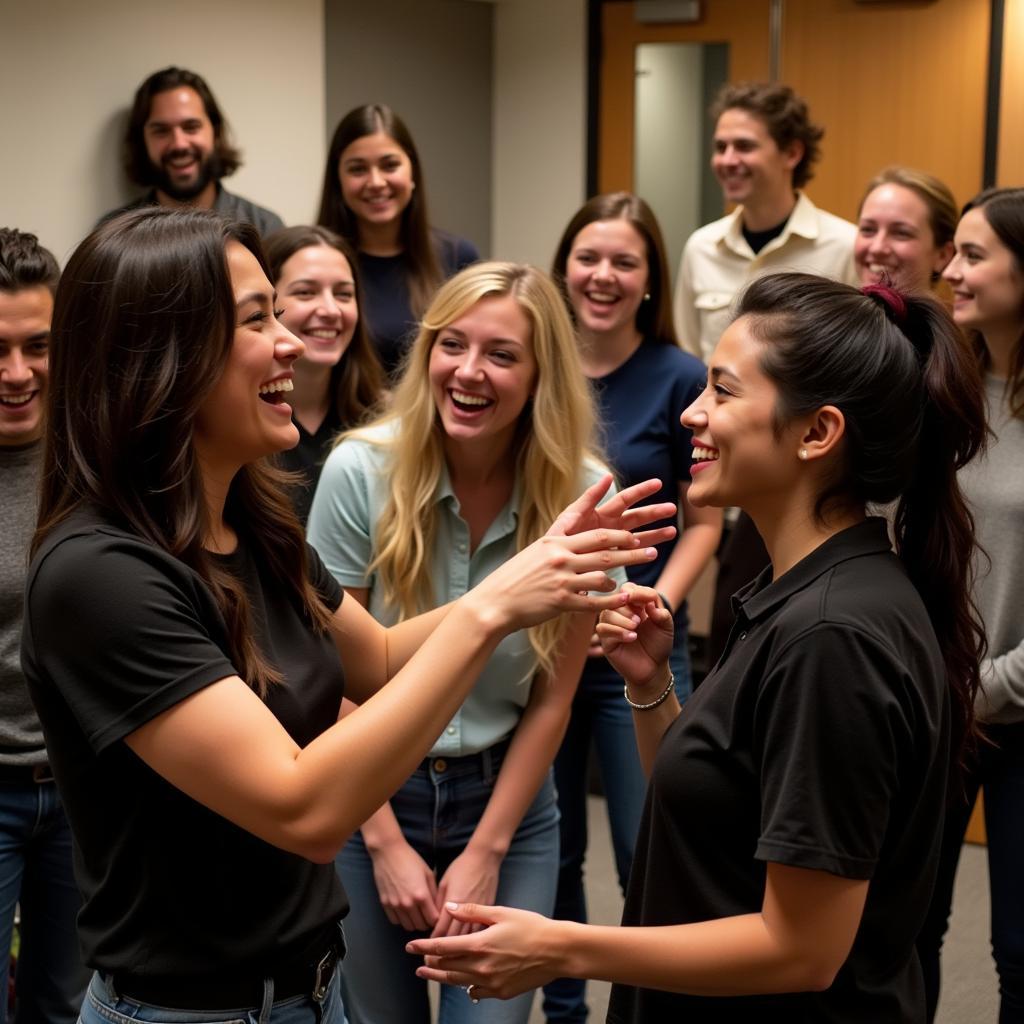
{"points": [[351, 494]]}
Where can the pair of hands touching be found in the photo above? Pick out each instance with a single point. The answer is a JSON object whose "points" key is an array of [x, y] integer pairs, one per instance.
{"points": [[509, 955]]}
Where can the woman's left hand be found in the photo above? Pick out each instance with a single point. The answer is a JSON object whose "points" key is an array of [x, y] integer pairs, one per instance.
{"points": [[508, 957], [471, 878]]}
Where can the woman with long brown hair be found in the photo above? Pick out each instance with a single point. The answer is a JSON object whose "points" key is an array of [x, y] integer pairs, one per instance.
{"points": [[338, 380], [375, 197], [188, 652]]}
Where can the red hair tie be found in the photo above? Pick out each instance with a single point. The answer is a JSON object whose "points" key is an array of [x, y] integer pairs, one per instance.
{"points": [[894, 302]]}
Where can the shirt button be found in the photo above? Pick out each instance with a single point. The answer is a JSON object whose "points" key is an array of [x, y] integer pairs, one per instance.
{"points": [[462, 549], [450, 730], [440, 764]]}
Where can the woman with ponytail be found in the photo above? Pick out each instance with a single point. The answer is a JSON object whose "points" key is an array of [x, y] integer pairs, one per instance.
{"points": [[987, 278], [793, 819]]}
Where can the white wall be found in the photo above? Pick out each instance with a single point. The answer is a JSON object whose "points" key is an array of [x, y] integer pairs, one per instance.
{"points": [[69, 68], [540, 124]]}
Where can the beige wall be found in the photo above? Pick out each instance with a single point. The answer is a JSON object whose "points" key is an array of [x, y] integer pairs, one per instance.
{"points": [[540, 123], [68, 70]]}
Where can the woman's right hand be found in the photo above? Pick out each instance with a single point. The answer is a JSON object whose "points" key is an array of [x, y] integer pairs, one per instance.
{"points": [[566, 570], [405, 884]]}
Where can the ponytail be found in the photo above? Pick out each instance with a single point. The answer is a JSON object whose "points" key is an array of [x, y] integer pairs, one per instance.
{"points": [[933, 526]]}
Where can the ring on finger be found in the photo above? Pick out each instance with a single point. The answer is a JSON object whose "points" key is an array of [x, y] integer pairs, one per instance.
{"points": [[469, 992]]}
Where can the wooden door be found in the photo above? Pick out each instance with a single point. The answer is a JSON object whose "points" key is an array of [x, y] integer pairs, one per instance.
{"points": [[742, 24]]}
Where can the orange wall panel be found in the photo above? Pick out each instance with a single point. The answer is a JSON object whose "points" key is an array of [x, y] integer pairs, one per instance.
{"points": [[892, 83]]}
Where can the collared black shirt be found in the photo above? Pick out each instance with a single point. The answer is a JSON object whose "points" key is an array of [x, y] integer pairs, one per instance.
{"points": [[821, 741]]}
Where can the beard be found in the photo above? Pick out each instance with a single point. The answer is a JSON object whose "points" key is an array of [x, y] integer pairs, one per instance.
{"points": [[209, 170]]}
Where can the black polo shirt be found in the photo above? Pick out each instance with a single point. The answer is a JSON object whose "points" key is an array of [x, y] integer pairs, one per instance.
{"points": [[820, 740]]}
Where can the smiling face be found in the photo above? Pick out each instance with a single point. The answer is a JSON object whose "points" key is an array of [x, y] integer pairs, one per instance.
{"points": [[245, 417], [482, 372], [749, 165], [24, 353], [987, 283], [606, 276], [738, 457], [317, 290], [180, 143], [376, 179], [895, 240]]}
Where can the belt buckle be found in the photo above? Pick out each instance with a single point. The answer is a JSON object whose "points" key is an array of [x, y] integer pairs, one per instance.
{"points": [[322, 978]]}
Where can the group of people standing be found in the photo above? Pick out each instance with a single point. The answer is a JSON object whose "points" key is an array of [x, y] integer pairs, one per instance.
{"points": [[433, 420]]}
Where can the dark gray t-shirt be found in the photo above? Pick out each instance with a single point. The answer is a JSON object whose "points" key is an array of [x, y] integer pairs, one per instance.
{"points": [[21, 736]]}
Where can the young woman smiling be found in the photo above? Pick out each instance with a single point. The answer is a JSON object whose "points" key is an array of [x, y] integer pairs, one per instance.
{"points": [[987, 278], [374, 197], [793, 818], [184, 646], [490, 426], [338, 379], [611, 267], [905, 230]]}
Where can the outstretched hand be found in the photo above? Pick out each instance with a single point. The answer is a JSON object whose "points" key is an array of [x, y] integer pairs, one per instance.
{"points": [[617, 512], [507, 957], [566, 570]]}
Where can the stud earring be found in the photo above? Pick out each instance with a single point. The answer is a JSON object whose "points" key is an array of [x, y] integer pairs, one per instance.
{"points": [[803, 453], [647, 296]]}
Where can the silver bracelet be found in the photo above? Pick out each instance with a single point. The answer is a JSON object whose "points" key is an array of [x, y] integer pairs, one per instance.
{"points": [[657, 700]]}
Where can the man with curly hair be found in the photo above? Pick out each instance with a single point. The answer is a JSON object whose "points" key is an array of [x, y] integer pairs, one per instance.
{"points": [[764, 147]]}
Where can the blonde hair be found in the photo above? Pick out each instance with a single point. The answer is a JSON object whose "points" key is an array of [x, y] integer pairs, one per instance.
{"points": [[554, 440]]}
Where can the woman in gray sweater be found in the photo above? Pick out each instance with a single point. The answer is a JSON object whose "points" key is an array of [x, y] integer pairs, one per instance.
{"points": [[987, 278]]}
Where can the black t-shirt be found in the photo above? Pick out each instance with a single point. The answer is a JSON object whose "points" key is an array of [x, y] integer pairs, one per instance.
{"points": [[821, 741], [307, 458], [117, 631]]}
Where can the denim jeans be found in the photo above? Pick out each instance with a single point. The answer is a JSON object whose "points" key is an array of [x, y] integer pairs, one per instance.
{"points": [[36, 871], [999, 767], [600, 716], [438, 811], [103, 1005]]}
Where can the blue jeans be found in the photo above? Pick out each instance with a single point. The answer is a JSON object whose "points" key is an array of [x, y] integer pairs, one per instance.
{"points": [[103, 1005], [438, 811], [600, 716], [36, 871], [1000, 769]]}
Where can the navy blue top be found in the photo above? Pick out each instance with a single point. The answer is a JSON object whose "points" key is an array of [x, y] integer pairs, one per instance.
{"points": [[386, 304], [640, 403]]}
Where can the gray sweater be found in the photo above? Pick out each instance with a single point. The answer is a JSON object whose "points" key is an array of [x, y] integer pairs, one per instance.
{"points": [[994, 486], [21, 738]]}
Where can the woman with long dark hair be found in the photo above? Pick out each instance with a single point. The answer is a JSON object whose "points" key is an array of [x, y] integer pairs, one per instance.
{"points": [[987, 278], [185, 648], [338, 379], [611, 267], [375, 197], [793, 818]]}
